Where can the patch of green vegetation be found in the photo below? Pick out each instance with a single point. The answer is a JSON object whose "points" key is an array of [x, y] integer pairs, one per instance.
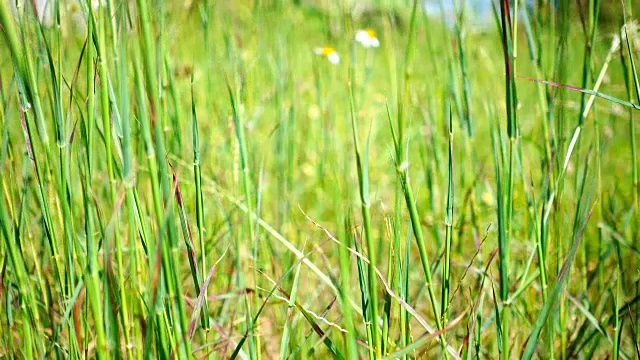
{"points": [[244, 179]]}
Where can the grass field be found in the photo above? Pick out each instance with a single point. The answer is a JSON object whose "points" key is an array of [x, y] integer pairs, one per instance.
{"points": [[222, 179]]}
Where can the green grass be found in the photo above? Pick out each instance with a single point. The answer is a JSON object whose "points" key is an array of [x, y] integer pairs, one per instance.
{"points": [[190, 180]]}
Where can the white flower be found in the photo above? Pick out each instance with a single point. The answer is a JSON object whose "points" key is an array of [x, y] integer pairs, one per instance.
{"points": [[367, 38], [333, 58], [330, 53]]}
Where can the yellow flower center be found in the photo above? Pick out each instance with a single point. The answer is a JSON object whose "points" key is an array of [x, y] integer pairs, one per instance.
{"points": [[371, 33], [328, 51]]}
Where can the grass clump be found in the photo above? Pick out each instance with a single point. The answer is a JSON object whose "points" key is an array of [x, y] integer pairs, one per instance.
{"points": [[276, 179]]}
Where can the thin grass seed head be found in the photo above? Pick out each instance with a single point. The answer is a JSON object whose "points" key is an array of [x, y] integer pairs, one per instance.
{"points": [[367, 38], [330, 53]]}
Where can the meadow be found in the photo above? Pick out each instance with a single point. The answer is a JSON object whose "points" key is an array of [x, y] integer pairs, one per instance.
{"points": [[291, 179]]}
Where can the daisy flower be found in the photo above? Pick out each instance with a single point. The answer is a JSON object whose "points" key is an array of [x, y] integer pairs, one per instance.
{"points": [[367, 38], [330, 53]]}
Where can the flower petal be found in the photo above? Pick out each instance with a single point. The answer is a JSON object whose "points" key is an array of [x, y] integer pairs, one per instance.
{"points": [[334, 58]]}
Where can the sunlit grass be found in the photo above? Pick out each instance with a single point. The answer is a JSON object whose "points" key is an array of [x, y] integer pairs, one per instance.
{"points": [[292, 179]]}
